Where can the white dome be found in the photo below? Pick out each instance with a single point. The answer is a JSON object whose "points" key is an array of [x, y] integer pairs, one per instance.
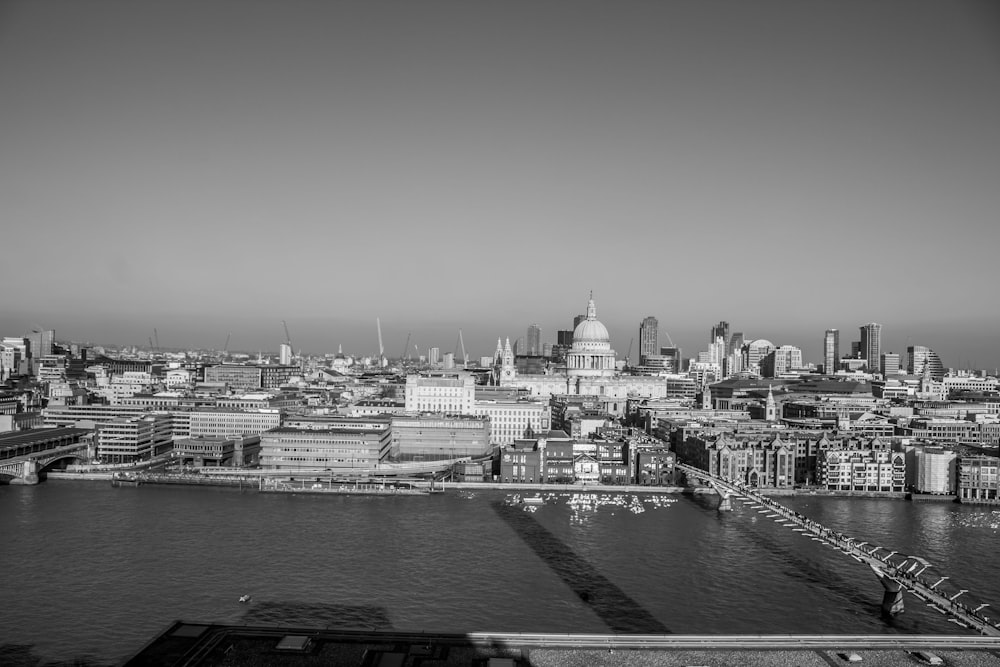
{"points": [[591, 331]]}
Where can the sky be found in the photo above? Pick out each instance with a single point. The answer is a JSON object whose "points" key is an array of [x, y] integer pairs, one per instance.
{"points": [[209, 168]]}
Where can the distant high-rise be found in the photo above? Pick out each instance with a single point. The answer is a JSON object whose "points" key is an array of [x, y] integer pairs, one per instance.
{"points": [[871, 345], [720, 330], [564, 337], [735, 343], [649, 336], [41, 343], [890, 364], [831, 351], [577, 320], [672, 359], [434, 356], [285, 354], [534, 347], [919, 358]]}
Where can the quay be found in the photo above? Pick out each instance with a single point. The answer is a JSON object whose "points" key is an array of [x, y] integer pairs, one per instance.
{"points": [[329, 486]]}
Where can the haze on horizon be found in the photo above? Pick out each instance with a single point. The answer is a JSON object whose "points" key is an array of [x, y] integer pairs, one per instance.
{"points": [[215, 167]]}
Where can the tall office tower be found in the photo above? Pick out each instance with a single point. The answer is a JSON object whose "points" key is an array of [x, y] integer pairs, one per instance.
{"points": [[434, 356], [285, 354], [720, 330], [890, 364], [534, 347], [736, 343], [577, 320], [564, 337], [871, 344], [649, 337], [831, 351], [41, 343], [920, 358]]}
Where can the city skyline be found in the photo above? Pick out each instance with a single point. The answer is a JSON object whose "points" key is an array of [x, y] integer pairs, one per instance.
{"points": [[207, 168], [478, 346]]}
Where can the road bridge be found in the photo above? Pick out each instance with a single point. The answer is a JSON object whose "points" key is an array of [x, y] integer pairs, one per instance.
{"points": [[895, 571]]}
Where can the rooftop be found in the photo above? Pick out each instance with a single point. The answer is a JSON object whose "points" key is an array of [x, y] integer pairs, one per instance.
{"points": [[207, 645]]}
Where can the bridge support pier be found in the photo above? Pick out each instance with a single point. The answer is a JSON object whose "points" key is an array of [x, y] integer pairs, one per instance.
{"points": [[725, 502], [28, 475], [892, 598]]}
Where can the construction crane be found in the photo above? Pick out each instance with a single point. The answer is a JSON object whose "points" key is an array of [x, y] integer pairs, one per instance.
{"points": [[381, 348], [628, 357], [288, 337], [406, 347], [465, 357], [225, 348], [156, 337], [668, 339]]}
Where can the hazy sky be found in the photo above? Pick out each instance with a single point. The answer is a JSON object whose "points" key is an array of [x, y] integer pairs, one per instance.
{"points": [[204, 167]]}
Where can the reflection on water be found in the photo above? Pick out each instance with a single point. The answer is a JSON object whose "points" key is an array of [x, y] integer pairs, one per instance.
{"points": [[978, 520]]}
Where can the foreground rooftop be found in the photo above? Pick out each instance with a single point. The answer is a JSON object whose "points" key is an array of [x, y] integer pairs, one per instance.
{"points": [[205, 644]]}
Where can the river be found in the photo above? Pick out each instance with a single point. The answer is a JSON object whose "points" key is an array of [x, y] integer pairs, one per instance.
{"points": [[91, 572]]}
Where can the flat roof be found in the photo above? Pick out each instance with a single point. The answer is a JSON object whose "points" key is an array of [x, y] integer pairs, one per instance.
{"points": [[27, 437]]}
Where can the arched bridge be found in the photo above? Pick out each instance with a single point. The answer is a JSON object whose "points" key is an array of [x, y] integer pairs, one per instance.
{"points": [[25, 454], [895, 571]]}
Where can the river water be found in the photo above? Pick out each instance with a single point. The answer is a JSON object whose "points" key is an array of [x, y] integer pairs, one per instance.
{"points": [[90, 572]]}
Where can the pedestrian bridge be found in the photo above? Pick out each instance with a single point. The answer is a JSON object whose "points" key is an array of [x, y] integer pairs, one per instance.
{"points": [[895, 571]]}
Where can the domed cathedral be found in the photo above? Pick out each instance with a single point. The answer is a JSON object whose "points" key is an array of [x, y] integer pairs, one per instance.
{"points": [[590, 370], [591, 354]]}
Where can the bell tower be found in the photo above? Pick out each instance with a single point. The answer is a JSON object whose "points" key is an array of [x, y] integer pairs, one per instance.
{"points": [[508, 373]]}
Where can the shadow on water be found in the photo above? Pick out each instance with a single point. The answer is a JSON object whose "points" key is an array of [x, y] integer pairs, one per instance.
{"points": [[23, 655], [619, 612], [862, 594], [317, 615]]}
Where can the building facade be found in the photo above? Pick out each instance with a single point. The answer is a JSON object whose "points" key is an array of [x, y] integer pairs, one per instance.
{"points": [[861, 470], [314, 451], [428, 437], [649, 339], [871, 345], [831, 351], [134, 439], [979, 479], [445, 392]]}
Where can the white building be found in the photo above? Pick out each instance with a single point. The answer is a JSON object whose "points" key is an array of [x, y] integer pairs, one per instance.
{"points": [[179, 376], [861, 470], [448, 392], [512, 420], [931, 469], [233, 423], [133, 439]]}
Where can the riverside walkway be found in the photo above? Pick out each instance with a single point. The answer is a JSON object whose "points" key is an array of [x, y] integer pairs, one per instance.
{"points": [[895, 571]]}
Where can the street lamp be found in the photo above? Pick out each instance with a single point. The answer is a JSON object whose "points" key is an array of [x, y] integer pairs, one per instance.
{"points": [[939, 581]]}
